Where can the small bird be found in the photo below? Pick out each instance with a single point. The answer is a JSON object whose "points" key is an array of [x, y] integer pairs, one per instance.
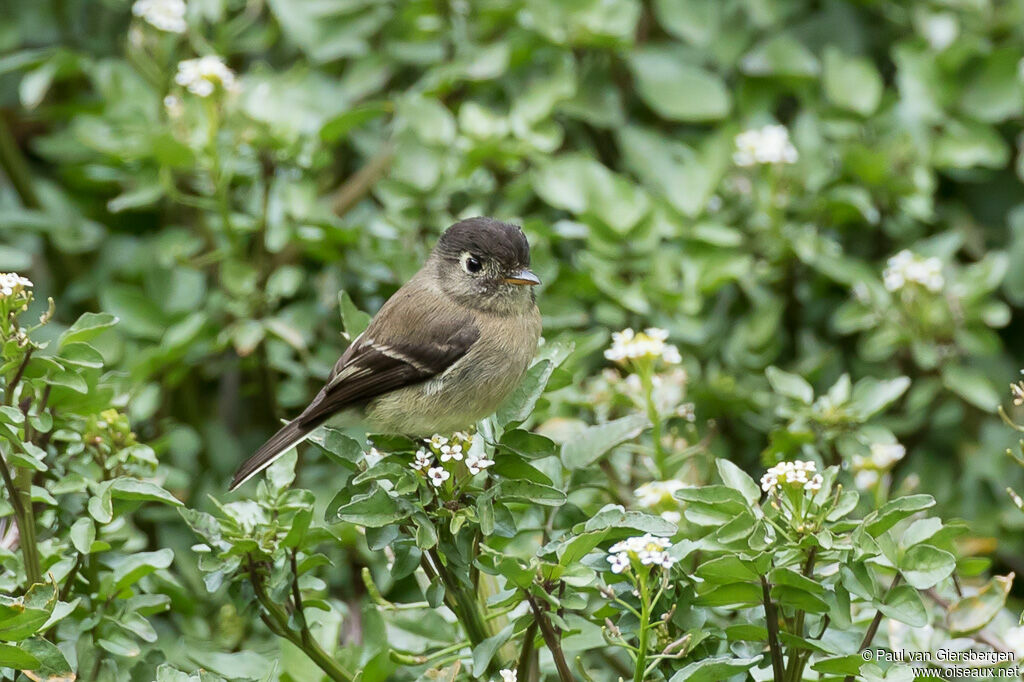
{"points": [[442, 353]]}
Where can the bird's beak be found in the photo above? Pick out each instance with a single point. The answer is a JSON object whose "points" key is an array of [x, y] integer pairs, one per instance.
{"points": [[522, 277]]}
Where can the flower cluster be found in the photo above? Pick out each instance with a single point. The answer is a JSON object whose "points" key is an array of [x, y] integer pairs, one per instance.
{"points": [[445, 449], [12, 284], [868, 470], [648, 549], [166, 15], [658, 494], [508, 675], [202, 76], [796, 474], [907, 267], [650, 343], [768, 145]]}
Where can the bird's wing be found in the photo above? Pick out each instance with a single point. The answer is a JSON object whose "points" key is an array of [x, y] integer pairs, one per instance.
{"points": [[418, 334], [405, 344]]}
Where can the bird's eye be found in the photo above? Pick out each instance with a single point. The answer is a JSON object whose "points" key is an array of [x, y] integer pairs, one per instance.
{"points": [[471, 264]]}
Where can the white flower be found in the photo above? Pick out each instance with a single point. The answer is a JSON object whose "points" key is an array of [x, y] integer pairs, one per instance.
{"points": [[940, 30], [768, 145], [372, 457], [202, 76], [12, 283], [649, 549], [436, 441], [657, 492], [1017, 391], [650, 343], [866, 479], [166, 15], [794, 474], [507, 675], [423, 460], [451, 452], [884, 455], [174, 106], [438, 476], [619, 562], [907, 267], [477, 463]]}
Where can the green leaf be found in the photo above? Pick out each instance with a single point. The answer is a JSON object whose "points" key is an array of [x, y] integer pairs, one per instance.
{"points": [[871, 396], [339, 446], [81, 354], [972, 385], [129, 569], [355, 320], [125, 488], [780, 55], [83, 534], [971, 614], [905, 605], [715, 669], [518, 406], [527, 444], [615, 516], [738, 480], [14, 657], [21, 617], [590, 444], [923, 566], [733, 594], [52, 666], [484, 652], [852, 83], [528, 491], [894, 511], [373, 509], [797, 598], [676, 90], [839, 665], [727, 569], [790, 385]]}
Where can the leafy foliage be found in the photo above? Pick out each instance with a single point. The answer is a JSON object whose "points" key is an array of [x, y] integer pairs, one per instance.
{"points": [[819, 204]]}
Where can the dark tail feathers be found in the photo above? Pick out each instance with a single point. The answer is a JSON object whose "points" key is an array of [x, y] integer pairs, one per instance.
{"points": [[290, 434]]}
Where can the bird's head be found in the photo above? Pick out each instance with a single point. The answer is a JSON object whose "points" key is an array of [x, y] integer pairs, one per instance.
{"points": [[485, 264]]}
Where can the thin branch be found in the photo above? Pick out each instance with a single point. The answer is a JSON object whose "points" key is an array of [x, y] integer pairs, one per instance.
{"points": [[526, 656], [551, 640], [16, 168], [362, 181], [869, 636], [771, 617]]}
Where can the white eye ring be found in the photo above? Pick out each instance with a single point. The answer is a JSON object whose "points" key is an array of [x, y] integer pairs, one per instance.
{"points": [[470, 263]]}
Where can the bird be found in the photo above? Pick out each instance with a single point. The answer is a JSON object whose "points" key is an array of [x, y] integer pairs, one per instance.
{"points": [[442, 353]]}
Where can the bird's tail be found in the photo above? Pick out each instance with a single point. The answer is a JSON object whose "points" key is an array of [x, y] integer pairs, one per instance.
{"points": [[290, 435]]}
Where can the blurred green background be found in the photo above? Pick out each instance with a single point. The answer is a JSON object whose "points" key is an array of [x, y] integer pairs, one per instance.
{"points": [[220, 228]]}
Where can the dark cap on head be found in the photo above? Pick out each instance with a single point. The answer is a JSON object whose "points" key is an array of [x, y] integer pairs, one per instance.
{"points": [[486, 238]]}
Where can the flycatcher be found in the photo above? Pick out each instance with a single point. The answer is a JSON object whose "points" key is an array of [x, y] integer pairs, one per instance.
{"points": [[442, 353]]}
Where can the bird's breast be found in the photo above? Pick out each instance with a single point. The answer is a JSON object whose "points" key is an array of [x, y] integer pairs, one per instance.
{"points": [[472, 388]]}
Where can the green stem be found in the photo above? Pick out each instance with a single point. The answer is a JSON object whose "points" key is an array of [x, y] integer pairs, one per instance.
{"points": [[771, 617], [463, 604], [647, 381], [551, 639], [526, 657], [277, 621], [20, 492], [875, 622], [16, 168], [645, 627]]}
